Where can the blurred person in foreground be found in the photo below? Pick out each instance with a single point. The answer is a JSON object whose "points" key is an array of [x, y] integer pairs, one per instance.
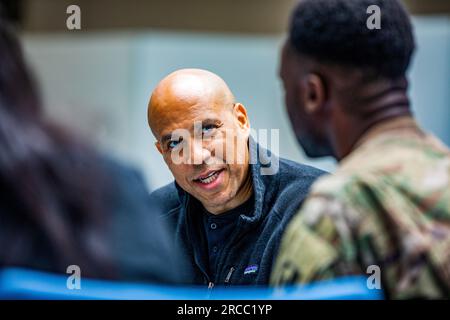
{"points": [[62, 203], [388, 203], [231, 198]]}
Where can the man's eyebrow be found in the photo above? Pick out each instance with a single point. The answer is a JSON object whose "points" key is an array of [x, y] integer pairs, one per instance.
{"points": [[168, 136], [210, 121], [165, 138]]}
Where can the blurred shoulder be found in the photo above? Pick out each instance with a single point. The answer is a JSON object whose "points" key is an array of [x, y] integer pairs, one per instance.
{"points": [[166, 197], [299, 176], [292, 168], [123, 179], [167, 191]]}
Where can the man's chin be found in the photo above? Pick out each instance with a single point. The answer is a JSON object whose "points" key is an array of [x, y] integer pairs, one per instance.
{"points": [[218, 200], [315, 150]]}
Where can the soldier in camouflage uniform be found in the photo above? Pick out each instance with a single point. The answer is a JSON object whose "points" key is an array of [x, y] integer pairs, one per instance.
{"points": [[388, 203]]}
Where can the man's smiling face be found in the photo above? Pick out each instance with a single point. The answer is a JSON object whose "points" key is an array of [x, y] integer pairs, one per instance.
{"points": [[209, 159]]}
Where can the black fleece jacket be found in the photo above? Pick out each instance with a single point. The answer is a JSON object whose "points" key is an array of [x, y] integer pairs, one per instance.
{"points": [[248, 255]]}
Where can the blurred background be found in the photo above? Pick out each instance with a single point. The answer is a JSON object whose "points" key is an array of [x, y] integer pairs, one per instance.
{"points": [[98, 80]]}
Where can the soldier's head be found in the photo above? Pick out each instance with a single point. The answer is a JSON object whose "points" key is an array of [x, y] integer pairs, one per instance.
{"points": [[343, 68], [202, 133]]}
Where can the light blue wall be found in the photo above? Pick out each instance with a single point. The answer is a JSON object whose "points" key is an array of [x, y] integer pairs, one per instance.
{"points": [[99, 83], [430, 75]]}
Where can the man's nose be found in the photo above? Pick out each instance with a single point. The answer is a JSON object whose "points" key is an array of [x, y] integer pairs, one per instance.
{"points": [[200, 153]]}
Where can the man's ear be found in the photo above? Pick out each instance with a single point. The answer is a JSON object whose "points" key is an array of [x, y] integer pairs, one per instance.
{"points": [[240, 114], [158, 146], [314, 93]]}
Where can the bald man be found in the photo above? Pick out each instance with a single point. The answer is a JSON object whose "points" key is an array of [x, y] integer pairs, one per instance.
{"points": [[226, 214]]}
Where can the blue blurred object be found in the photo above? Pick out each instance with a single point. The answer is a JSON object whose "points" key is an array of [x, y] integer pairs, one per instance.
{"points": [[27, 284]]}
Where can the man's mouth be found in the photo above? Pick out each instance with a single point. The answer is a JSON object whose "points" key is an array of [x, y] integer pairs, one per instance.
{"points": [[209, 177]]}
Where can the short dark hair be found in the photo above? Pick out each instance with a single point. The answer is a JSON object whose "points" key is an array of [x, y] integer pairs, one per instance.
{"points": [[335, 31]]}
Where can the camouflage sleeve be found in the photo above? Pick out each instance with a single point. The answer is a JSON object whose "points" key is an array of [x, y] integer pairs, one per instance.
{"points": [[330, 238], [317, 244]]}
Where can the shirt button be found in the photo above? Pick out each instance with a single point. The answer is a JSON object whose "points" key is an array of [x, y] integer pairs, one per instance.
{"points": [[215, 249], [213, 226]]}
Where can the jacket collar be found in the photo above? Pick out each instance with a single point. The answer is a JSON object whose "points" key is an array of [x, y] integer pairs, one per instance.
{"points": [[259, 162]]}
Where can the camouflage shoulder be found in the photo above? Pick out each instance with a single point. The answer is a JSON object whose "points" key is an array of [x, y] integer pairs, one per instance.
{"points": [[317, 244]]}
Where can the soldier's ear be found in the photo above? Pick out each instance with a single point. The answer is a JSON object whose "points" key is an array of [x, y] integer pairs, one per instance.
{"points": [[314, 96]]}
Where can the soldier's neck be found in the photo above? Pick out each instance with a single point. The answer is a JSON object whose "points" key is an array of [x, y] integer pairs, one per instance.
{"points": [[388, 107]]}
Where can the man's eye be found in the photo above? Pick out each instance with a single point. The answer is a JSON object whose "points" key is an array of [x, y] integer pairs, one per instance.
{"points": [[172, 144], [208, 128]]}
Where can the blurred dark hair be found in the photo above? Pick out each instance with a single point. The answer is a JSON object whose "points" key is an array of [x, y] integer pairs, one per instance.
{"points": [[335, 31], [52, 190], [12, 10]]}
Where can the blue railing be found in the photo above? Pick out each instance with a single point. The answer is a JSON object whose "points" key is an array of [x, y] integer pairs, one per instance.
{"points": [[29, 284]]}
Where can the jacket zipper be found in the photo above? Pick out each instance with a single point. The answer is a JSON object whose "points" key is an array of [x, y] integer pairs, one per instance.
{"points": [[210, 290], [227, 279], [236, 235]]}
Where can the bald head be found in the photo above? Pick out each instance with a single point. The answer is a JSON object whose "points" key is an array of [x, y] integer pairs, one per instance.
{"points": [[186, 91], [202, 132]]}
